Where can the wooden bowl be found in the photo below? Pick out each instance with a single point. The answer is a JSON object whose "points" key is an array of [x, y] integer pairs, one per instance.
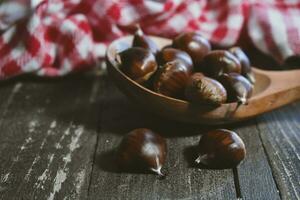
{"points": [[272, 90]]}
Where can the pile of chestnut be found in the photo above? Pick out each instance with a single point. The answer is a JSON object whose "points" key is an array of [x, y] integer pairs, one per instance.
{"points": [[143, 149], [189, 69]]}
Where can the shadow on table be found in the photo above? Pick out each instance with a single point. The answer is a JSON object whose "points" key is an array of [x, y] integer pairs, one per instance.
{"points": [[125, 117], [120, 116]]}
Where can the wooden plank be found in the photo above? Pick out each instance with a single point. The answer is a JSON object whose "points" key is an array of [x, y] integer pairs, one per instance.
{"points": [[7, 94], [48, 139], [118, 116], [254, 173], [280, 134]]}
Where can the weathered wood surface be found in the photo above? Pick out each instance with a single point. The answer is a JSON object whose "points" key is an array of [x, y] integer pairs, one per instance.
{"points": [[254, 173], [48, 137], [280, 134], [56, 138]]}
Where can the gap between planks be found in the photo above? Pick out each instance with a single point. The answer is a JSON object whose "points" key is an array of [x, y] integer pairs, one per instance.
{"points": [[237, 183], [268, 158], [92, 99]]}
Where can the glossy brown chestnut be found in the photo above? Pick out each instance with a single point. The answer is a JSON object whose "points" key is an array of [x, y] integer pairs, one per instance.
{"points": [[194, 44], [245, 63], [238, 87], [171, 79], [203, 90], [218, 62], [221, 149], [137, 63], [142, 40], [171, 54], [142, 149]]}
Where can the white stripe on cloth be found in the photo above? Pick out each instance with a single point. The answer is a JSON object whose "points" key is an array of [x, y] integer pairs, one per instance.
{"points": [[233, 22], [154, 7], [256, 33], [31, 66], [294, 32], [279, 32], [178, 22]]}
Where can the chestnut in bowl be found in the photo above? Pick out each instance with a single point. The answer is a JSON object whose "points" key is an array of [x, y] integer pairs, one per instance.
{"points": [[194, 44], [204, 90], [238, 88], [143, 41], [246, 70], [171, 79], [170, 54], [218, 62], [137, 63]]}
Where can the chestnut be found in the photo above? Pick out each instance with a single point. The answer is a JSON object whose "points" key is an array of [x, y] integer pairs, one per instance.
{"points": [[137, 63], [171, 54], [141, 40], [171, 79], [221, 148], [238, 87], [142, 149], [203, 90], [194, 44], [246, 70], [218, 62]]}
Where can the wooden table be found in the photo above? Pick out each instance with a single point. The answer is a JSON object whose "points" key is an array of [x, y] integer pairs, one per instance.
{"points": [[56, 137]]}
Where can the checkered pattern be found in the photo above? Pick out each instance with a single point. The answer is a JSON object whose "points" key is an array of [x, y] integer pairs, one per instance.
{"points": [[56, 37]]}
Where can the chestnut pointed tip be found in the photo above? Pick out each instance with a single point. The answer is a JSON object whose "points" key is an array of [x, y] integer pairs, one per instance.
{"points": [[201, 159], [118, 59], [139, 30], [158, 171], [198, 160], [242, 100]]}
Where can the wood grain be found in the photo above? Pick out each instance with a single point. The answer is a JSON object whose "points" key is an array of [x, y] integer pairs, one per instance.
{"points": [[254, 173], [118, 116], [48, 138], [56, 140], [280, 133]]}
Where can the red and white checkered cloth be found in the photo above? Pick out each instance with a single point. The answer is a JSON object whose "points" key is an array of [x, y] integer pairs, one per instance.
{"points": [[56, 37]]}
